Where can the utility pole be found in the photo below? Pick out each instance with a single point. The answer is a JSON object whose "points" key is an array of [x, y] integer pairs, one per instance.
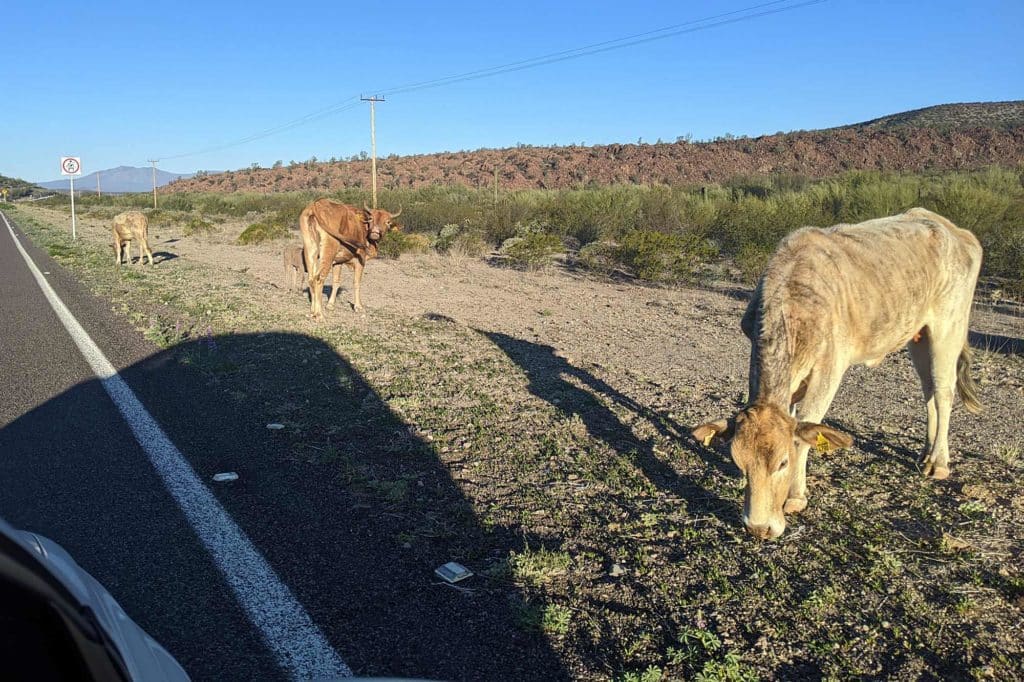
{"points": [[495, 185], [153, 161], [373, 146], [98, 192]]}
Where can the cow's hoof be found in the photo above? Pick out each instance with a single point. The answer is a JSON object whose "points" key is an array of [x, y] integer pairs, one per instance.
{"points": [[795, 505], [936, 471], [330, 306], [358, 308]]}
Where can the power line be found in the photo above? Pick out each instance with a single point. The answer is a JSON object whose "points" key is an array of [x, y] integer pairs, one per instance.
{"points": [[692, 26], [606, 46]]}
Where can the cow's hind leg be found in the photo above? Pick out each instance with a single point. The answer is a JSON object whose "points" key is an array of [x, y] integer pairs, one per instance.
{"points": [[144, 244], [357, 278], [335, 285], [318, 275], [944, 346]]}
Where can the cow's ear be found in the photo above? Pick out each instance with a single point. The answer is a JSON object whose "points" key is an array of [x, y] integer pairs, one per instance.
{"points": [[822, 437], [720, 431]]}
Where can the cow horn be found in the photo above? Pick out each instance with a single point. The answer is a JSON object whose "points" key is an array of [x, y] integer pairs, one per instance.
{"points": [[395, 215], [365, 207]]}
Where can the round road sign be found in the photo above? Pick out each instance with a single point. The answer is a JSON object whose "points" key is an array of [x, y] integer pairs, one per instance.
{"points": [[70, 165]]}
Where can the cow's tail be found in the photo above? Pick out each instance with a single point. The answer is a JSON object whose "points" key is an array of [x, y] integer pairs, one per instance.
{"points": [[965, 384], [310, 240]]}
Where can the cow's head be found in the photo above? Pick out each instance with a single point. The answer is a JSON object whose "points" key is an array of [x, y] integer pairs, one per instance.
{"points": [[378, 222], [764, 440]]}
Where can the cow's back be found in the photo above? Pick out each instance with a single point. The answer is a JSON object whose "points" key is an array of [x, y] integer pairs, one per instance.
{"points": [[131, 225], [873, 283]]}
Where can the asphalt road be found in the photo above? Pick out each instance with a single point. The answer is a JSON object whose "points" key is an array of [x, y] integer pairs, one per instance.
{"points": [[71, 469]]}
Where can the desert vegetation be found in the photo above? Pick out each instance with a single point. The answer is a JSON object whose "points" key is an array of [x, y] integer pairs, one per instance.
{"points": [[656, 233]]}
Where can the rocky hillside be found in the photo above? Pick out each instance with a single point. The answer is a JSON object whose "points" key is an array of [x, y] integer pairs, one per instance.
{"points": [[999, 115], [959, 136], [19, 189]]}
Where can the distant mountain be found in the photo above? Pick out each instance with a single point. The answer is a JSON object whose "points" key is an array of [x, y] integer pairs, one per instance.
{"points": [[120, 179]]}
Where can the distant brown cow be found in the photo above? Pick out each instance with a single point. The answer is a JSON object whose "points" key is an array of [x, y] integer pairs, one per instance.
{"points": [[836, 297], [333, 234], [131, 226]]}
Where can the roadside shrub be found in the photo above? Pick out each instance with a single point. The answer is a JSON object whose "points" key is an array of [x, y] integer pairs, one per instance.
{"points": [[599, 257], [273, 226], [470, 244], [395, 244], [447, 236], [534, 250], [661, 257], [197, 225], [752, 260]]}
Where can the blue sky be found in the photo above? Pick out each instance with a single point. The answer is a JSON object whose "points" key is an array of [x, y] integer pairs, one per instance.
{"points": [[120, 83]]}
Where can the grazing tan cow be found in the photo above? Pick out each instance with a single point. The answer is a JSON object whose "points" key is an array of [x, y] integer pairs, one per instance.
{"points": [[295, 271], [131, 226], [836, 297], [338, 234]]}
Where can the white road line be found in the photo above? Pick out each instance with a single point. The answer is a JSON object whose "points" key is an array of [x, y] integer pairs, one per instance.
{"points": [[297, 643]]}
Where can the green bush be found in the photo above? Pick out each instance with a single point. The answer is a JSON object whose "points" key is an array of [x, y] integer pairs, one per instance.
{"points": [[273, 226], [599, 257], [397, 243], [533, 250], [752, 261], [197, 225], [661, 257]]}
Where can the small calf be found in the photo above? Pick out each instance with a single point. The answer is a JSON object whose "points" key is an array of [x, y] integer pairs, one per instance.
{"points": [[295, 271], [294, 267]]}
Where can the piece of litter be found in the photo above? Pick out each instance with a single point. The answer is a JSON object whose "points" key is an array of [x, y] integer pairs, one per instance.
{"points": [[453, 572], [617, 570], [275, 426], [225, 477]]}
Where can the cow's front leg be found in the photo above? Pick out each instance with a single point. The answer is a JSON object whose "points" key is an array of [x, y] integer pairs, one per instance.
{"points": [[821, 389]]}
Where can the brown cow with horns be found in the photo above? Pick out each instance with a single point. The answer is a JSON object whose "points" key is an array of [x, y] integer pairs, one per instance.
{"points": [[333, 234]]}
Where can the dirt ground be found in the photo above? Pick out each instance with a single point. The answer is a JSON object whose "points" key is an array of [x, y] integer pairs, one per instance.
{"points": [[560, 405]]}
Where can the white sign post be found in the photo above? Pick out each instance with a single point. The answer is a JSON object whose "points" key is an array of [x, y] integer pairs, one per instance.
{"points": [[71, 166]]}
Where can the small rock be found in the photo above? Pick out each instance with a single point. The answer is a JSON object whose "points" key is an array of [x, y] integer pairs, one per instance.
{"points": [[225, 477], [275, 426], [617, 571]]}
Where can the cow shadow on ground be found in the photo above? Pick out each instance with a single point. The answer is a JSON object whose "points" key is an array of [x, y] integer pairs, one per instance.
{"points": [[882, 446], [350, 507], [163, 256], [575, 391]]}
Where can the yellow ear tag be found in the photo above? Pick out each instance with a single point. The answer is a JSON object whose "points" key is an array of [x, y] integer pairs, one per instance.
{"points": [[822, 445], [707, 439]]}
